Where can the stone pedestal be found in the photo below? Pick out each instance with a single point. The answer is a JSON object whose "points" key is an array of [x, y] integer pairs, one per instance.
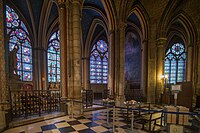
{"points": [[14, 82], [2, 120]]}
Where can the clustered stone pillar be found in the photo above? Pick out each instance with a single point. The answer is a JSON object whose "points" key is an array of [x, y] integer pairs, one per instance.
{"points": [[76, 31], [189, 62], [120, 91], [160, 67], [85, 78], [198, 70], [111, 67], [63, 12], [3, 83], [144, 67]]}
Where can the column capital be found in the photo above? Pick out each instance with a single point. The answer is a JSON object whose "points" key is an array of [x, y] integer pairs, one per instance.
{"points": [[61, 3], [122, 25], [110, 32], [145, 41], [160, 42], [77, 2]]}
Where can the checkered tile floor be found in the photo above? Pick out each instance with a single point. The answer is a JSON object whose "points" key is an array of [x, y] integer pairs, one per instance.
{"points": [[90, 122]]}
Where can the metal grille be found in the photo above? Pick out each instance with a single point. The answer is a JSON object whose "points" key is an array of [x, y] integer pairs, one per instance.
{"points": [[37, 102]]}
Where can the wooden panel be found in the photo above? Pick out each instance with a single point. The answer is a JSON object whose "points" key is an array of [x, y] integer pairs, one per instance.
{"points": [[185, 96]]}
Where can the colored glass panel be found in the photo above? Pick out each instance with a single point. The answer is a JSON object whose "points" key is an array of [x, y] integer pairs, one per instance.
{"points": [[175, 63], [19, 35], [53, 56], [99, 63]]}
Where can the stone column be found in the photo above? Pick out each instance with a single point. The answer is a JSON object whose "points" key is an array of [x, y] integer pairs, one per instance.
{"points": [[144, 67], [189, 67], [4, 105], [40, 71], [198, 70], [160, 67], [3, 83], [120, 76], [76, 32], [86, 72], [111, 62], [63, 16]]}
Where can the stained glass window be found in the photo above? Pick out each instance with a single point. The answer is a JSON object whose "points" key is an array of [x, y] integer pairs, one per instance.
{"points": [[53, 56], [99, 63], [19, 37], [175, 63]]}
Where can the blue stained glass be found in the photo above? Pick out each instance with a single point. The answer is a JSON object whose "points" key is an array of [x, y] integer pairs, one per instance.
{"points": [[92, 69], [99, 62], [92, 66], [105, 63], [105, 74], [20, 74], [53, 36], [19, 66], [27, 67], [58, 64], [8, 30], [98, 66], [26, 51], [99, 74], [105, 81], [91, 59], [92, 73], [95, 53], [98, 59], [18, 35], [105, 70], [24, 27], [105, 67], [92, 77], [15, 23], [13, 39], [102, 46], [27, 76], [174, 63], [53, 56], [58, 57], [26, 43], [11, 46], [26, 59], [19, 58], [92, 81]]}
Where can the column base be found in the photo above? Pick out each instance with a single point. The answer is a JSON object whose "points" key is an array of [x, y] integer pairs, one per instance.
{"points": [[75, 108], [120, 100], [3, 120]]}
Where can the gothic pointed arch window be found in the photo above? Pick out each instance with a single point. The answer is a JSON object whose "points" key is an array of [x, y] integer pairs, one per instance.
{"points": [[18, 37], [175, 63], [99, 63], [53, 56]]}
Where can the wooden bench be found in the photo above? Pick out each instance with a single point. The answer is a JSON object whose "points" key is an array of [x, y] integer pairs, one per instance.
{"points": [[149, 118]]}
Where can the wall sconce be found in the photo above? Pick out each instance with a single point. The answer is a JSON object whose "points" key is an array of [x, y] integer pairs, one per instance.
{"points": [[165, 78]]}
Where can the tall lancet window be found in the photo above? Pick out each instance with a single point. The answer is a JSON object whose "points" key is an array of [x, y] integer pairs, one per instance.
{"points": [[175, 63], [20, 49], [99, 63], [53, 56]]}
